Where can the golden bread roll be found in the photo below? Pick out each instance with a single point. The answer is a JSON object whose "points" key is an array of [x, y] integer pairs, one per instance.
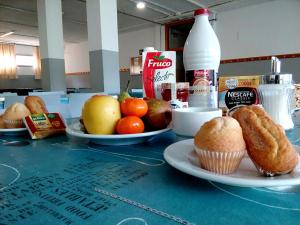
{"points": [[267, 144], [219, 145], [35, 104], [13, 115], [2, 125]]}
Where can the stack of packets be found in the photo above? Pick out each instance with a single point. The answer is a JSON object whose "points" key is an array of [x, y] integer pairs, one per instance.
{"points": [[235, 91], [42, 125]]}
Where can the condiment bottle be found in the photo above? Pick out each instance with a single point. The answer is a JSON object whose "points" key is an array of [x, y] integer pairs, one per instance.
{"points": [[276, 91], [201, 59]]}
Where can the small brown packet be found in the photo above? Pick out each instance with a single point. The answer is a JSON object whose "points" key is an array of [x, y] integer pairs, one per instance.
{"points": [[42, 125]]}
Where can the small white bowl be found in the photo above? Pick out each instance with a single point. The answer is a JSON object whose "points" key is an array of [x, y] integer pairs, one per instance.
{"points": [[187, 121]]}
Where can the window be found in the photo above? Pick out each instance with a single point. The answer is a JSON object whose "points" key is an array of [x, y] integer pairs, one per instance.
{"points": [[25, 60]]}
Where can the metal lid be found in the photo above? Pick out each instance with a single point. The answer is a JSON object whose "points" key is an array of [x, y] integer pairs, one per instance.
{"points": [[275, 65], [276, 79]]}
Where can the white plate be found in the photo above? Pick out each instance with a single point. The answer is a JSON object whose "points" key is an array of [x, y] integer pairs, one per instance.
{"points": [[181, 155], [74, 129], [13, 131]]}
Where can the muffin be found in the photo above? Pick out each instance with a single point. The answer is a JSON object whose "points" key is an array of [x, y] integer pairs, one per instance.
{"points": [[267, 145], [219, 145], [13, 115], [2, 125]]}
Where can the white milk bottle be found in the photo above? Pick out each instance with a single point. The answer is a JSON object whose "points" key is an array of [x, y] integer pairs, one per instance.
{"points": [[201, 59]]}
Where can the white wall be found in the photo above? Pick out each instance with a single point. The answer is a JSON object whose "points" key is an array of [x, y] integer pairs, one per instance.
{"points": [[264, 29], [131, 42], [77, 54], [24, 50], [77, 57]]}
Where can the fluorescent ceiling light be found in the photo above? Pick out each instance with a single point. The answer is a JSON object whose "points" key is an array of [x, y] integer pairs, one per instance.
{"points": [[6, 34], [140, 5]]}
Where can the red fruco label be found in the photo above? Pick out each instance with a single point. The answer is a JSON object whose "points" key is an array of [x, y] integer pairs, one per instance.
{"points": [[158, 68]]}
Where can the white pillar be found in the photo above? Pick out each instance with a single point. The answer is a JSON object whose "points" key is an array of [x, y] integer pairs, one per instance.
{"points": [[159, 37], [103, 45], [51, 45]]}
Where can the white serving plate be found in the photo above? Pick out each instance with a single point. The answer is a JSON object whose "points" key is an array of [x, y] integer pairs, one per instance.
{"points": [[74, 130], [181, 155], [13, 131]]}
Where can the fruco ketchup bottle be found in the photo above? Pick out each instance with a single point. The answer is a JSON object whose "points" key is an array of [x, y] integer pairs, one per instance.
{"points": [[201, 59]]}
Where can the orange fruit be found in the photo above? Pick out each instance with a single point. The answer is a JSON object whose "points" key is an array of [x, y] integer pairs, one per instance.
{"points": [[130, 125], [134, 107]]}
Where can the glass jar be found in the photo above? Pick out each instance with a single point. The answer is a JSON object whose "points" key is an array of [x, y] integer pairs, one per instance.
{"points": [[182, 91], [276, 93]]}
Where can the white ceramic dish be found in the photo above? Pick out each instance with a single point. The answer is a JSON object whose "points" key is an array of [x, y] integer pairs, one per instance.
{"points": [[13, 131], [187, 121], [74, 130], [181, 156]]}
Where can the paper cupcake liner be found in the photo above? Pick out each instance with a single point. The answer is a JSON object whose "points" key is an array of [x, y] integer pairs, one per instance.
{"points": [[219, 162], [13, 123]]}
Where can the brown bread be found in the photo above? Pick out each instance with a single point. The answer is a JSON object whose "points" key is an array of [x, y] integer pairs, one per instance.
{"points": [[2, 124], [35, 104], [267, 144]]}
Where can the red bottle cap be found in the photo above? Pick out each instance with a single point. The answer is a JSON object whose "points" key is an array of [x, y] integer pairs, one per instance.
{"points": [[202, 11]]}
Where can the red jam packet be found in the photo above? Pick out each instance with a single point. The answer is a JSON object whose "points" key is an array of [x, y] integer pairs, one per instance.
{"points": [[42, 125]]}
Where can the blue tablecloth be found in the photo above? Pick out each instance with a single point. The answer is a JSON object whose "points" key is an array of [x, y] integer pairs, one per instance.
{"points": [[62, 180]]}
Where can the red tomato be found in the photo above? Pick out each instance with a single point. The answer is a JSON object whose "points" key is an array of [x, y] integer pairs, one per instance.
{"points": [[130, 125], [134, 107]]}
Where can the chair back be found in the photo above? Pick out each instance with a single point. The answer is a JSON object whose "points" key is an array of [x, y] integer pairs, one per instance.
{"points": [[9, 100], [8, 94], [76, 101]]}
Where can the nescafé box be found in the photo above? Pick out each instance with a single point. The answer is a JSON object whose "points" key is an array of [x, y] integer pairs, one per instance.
{"points": [[237, 90]]}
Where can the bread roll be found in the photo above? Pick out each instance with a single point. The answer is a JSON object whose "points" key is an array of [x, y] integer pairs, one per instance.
{"points": [[13, 115], [2, 125], [267, 144], [35, 104]]}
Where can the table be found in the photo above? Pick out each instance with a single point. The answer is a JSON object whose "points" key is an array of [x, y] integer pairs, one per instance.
{"points": [[62, 180]]}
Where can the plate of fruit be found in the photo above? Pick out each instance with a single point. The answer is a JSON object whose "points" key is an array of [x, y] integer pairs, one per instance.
{"points": [[108, 121]]}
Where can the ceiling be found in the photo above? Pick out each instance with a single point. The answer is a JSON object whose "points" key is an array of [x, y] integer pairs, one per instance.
{"points": [[20, 16]]}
